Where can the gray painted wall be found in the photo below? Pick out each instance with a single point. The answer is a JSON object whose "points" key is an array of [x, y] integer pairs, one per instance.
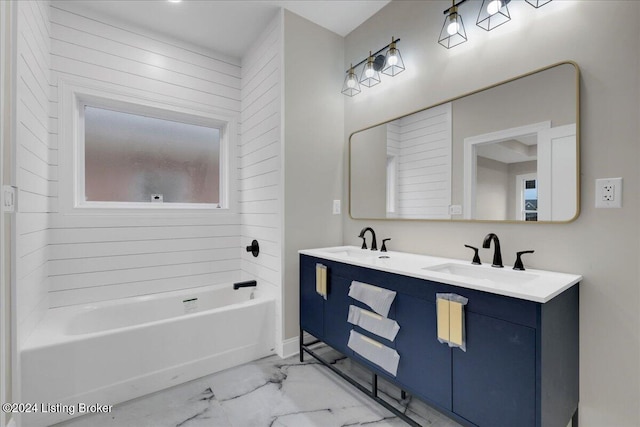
{"points": [[492, 186], [369, 169], [313, 143], [602, 244]]}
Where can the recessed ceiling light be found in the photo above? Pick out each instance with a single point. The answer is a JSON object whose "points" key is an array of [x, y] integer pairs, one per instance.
{"points": [[174, 1]]}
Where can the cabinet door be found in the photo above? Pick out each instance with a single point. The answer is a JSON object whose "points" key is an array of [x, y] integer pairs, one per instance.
{"points": [[425, 363], [494, 381], [336, 312], [311, 304]]}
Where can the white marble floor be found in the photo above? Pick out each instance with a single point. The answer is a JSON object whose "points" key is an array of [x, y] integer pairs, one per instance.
{"points": [[270, 392]]}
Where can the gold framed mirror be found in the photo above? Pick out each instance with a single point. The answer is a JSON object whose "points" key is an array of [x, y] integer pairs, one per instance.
{"points": [[508, 152]]}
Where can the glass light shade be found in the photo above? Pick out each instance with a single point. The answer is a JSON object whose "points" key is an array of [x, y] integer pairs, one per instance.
{"points": [[452, 33], [493, 13], [393, 63], [494, 6], [370, 76], [351, 87], [538, 3], [453, 27]]}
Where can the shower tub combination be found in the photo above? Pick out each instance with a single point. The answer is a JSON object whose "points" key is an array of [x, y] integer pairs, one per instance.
{"points": [[113, 351]]}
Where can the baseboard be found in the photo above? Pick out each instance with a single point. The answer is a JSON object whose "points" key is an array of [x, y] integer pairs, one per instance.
{"points": [[289, 347]]}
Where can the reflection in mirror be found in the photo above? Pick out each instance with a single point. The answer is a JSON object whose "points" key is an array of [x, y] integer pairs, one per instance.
{"points": [[504, 153]]}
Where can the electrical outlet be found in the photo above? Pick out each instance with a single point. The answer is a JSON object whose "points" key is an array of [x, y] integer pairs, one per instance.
{"points": [[609, 193], [455, 209]]}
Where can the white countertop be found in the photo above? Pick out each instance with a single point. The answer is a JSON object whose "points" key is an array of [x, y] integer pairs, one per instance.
{"points": [[533, 285]]}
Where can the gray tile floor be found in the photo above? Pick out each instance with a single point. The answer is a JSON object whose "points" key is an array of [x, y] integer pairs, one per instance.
{"points": [[270, 392]]}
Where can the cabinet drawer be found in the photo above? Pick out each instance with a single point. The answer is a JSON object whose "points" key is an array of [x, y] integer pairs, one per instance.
{"points": [[376, 297], [374, 323], [375, 352]]}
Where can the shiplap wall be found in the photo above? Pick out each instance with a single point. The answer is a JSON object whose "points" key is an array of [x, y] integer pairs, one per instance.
{"points": [[95, 258], [424, 164], [36, 158], [260, 179]]}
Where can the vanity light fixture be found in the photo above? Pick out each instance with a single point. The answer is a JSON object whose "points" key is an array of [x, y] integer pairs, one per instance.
{"points": [[393, 63], [386, 60], [371, 71], [493, 13], [452, 33], [351, 87], [538, 3]]}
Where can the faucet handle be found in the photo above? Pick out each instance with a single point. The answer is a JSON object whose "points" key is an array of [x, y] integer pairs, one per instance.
{"points": [[519, 265], [476, 257], [384, 246], [364, 242]]}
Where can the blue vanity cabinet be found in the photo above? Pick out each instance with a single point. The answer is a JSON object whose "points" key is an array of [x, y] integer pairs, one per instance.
{"points": [[520, 367], [521, 364]]}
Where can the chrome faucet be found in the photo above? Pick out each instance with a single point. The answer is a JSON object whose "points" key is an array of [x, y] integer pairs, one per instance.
{"points": [[374, 244], [497, 255]]}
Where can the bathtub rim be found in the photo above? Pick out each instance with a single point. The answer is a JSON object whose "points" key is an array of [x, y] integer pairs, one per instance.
{"points": [[50, 331]]}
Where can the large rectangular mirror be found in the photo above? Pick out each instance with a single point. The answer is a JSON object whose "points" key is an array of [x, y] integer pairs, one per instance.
{"points": [[509, 152]]}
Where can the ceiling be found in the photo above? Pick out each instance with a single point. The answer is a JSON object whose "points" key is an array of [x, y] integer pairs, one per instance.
{"points": [[523, 148], [223, 26]]}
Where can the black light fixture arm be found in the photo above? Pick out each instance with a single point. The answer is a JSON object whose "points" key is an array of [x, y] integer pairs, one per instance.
{"points": [[374, 54], [455, 5]]}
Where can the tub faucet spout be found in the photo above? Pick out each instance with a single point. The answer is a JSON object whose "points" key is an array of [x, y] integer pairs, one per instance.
{"points": [[497, 255], [246, 284]]}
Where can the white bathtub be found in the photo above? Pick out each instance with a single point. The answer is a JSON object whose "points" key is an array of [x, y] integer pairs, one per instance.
{"points": [[114, 351]]}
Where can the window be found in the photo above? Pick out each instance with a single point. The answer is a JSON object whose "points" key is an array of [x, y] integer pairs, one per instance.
{"points": [[527, 197], [123, 152], [141, 159]]}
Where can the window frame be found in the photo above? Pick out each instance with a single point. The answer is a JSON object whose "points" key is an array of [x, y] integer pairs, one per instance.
{"points": [[75, 97]]}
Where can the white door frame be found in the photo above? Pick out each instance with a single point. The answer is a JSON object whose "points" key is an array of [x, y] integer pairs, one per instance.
{"points": [[557, 202], [8, 356], [470, 158]]}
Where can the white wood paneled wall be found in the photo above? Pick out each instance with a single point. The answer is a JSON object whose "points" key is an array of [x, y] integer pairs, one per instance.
{"points": [[36, 158], [424, 166], [260, 185], [95, 258]]}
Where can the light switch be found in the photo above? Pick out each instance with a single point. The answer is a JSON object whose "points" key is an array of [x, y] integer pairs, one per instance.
{"points": [[9, 195], [336, 207]]}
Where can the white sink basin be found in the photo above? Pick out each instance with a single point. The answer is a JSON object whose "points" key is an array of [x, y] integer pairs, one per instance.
{"points": [[353, 253], [496, 275]]}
